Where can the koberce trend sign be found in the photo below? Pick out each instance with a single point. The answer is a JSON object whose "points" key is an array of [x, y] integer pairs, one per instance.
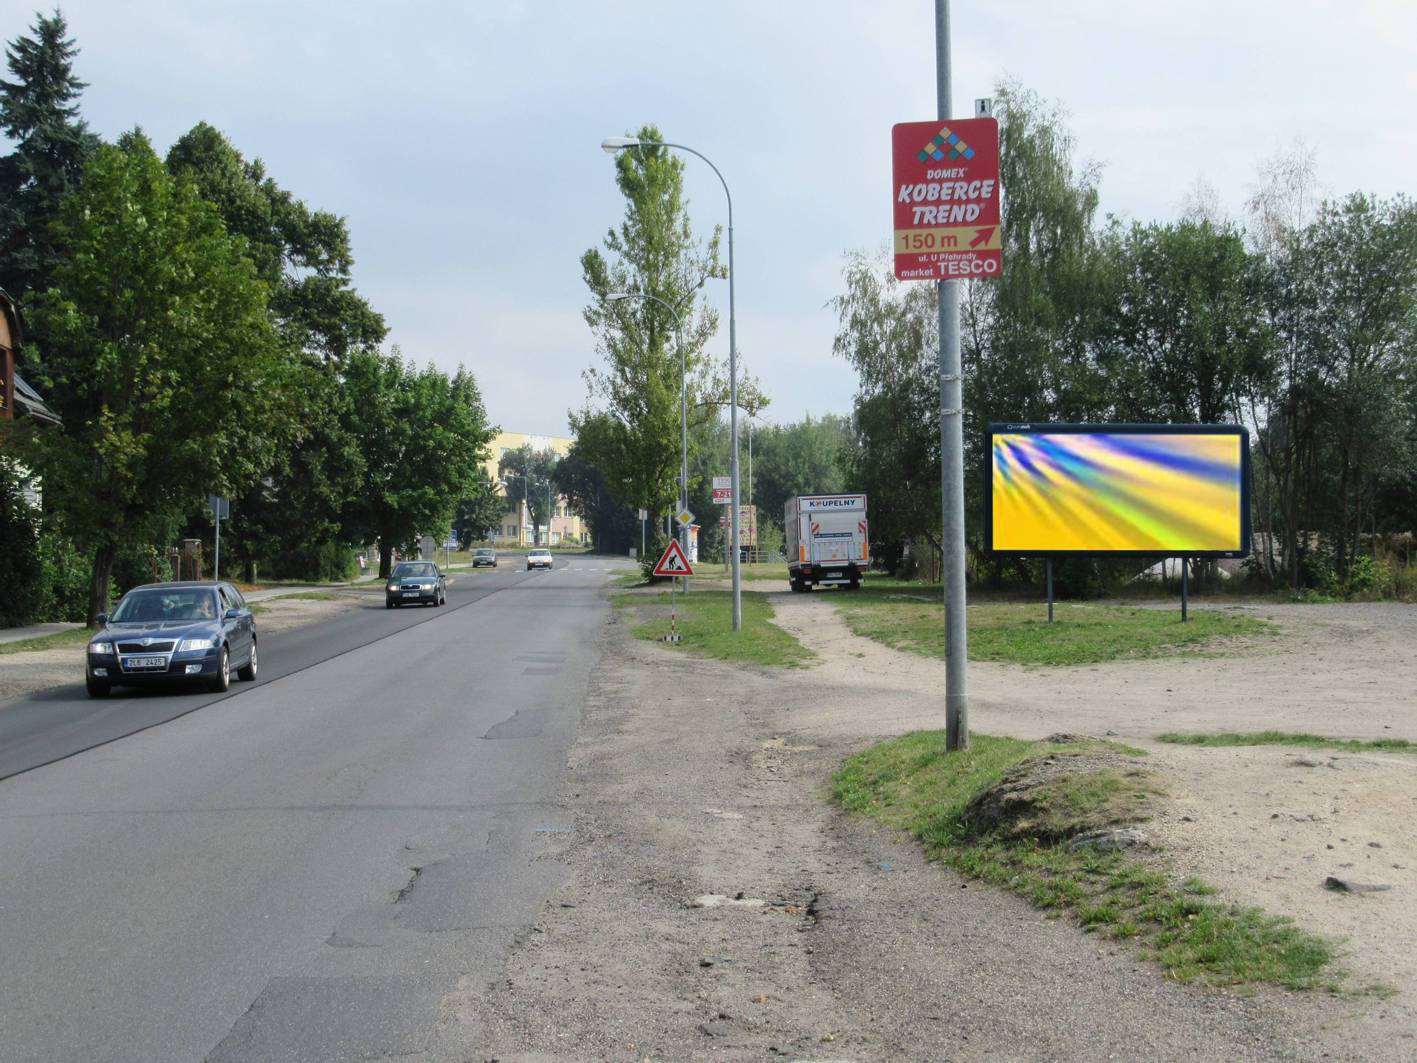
{"points": [[946, 199], [1178, 490]]}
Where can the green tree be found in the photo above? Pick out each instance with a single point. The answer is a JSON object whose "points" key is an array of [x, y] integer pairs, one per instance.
{"points": [[479, 513], [888, 331], [803, 458], [158, 354], [304, 256], [1186, 330], [40, 114], [613, 525], [653, 252], [425, 437], [528, 475]]}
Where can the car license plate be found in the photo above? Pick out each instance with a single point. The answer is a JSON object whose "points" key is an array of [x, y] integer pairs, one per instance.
{"points": [[145, 662], [410, 594]]}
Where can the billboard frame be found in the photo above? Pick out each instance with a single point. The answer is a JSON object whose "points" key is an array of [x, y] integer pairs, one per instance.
{"points": [[1096, 428]]}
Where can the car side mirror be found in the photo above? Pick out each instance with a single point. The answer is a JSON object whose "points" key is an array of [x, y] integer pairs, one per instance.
{"points": [[232, 614], [102, 619]]}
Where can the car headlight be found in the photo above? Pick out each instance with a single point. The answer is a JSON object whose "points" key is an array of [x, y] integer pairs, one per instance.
{"points": [[101, 647], [425, 586], [392, 587], [196, 644]]}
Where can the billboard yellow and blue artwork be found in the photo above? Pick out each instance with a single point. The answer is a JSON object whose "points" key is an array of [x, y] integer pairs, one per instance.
{"points": [[1101, 492]]}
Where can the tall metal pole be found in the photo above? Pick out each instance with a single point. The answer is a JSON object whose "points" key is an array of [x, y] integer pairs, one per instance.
{"points": [[216, 560], [733, 421], [951, 452]]}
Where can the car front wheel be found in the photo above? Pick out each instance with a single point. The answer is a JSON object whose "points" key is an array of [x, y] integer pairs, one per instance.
{"points": [[220, 682], [97, 687]]}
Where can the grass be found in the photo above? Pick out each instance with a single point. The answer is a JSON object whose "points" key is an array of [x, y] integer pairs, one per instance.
{"points": [[1288, 738], [311, 596], [705, 622], [912, 783], [75, 637], [908, 617]]}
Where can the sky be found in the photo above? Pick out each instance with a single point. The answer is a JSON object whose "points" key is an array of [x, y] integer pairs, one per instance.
{"points": [[461, 141]]}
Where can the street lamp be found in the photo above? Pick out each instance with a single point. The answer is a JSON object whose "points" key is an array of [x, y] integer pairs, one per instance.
{"points": [[612, 145]]}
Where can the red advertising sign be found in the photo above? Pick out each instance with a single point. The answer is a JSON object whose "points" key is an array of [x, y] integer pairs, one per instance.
{"points": [[946, 199]]}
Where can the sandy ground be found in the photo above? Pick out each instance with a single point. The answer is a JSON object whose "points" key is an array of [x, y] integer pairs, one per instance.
{"points": [[25, 673], [719, 909]]}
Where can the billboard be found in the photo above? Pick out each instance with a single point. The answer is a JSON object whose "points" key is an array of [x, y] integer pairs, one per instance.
{"points": [[1120, 489], [945, 199]]}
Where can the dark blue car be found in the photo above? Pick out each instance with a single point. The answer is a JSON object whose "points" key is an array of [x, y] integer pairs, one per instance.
{"points": [[163, 633]]}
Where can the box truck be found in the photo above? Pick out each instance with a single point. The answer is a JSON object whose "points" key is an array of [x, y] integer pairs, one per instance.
{"points": [[826, 540]]}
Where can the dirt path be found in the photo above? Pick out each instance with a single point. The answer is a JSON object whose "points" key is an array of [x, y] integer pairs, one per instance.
{"points": [[719, 909]]}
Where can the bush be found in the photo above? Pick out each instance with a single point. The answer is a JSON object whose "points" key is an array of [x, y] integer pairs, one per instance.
{"points": [[64, 585], [20, 569]]}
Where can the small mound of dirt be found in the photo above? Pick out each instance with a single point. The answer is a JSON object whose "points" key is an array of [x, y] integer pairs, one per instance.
{"points": [[1054, 797]]}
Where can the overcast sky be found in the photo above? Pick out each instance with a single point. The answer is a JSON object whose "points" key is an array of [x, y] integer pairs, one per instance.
{"points": [[461, 140]]}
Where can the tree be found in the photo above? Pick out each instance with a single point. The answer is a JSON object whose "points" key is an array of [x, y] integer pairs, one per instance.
{"points": [[479, 513], [425, 437], [889, 332], [39, 112], [528, 476], [613, 525], [1186, 330], [20, 564], [158, 354], [304, 256], [653, 252], [803, 458]]}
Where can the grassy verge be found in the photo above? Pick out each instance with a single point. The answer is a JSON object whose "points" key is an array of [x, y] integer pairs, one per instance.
{"points": [[76, 637], [1288, 738], [910, 619], [913, 784], [705, 623], [310, 596]]}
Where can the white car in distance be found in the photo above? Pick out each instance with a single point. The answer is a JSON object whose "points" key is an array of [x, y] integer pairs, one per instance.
{"points": [[539, 557]]}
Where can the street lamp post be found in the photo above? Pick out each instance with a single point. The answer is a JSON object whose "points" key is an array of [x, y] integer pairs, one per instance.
{"points": [[613, 145]]}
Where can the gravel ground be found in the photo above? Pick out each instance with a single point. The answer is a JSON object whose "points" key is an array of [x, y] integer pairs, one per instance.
{"points": [[720, 909]]}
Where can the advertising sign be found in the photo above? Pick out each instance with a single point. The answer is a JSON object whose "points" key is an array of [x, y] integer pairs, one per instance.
{"points": [[747, 525], [723, 490], [1120, 489], [946, 199]]}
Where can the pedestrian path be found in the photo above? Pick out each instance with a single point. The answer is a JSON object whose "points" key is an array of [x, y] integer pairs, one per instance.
{"points": [[34, 631]]}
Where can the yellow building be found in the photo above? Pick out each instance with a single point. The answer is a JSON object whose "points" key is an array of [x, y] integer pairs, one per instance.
{"points": [[516, 522]]}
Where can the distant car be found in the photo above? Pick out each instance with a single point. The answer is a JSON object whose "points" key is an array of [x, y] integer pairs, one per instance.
{"points": [[539, 557], [173, 633], [415, 581], [484, 557]]}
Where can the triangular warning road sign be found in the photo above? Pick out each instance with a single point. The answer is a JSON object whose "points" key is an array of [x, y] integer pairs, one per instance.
{"points": [[673, 562]]}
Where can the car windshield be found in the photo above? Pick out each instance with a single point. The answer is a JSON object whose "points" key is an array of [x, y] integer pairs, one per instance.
{"points": [[423, 569], [543, 552], [158, 605], [484, 553]]}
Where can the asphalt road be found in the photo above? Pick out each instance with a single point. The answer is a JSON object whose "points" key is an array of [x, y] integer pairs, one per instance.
{"points": [[313, 867]]}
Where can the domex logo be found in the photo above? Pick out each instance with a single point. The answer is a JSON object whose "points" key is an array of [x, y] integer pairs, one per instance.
{"points": [[945, 145]]}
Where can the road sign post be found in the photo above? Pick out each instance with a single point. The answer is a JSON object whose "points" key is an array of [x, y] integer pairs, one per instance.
{"points": [[946, 214], [673, 563]]}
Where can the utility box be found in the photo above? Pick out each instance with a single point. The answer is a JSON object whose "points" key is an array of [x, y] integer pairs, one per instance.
{"points": [[826, 540]]}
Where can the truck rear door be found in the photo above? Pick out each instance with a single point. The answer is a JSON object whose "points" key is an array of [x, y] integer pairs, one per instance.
{"points": [[834, 535]]}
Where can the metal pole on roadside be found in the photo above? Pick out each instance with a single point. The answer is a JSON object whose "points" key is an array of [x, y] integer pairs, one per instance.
{"points": [[951, 452], [216, 554]]}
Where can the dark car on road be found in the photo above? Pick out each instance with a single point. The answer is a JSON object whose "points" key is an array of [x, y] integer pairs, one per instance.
{"points": [[163, 633], [484, 557], [415, 581]]}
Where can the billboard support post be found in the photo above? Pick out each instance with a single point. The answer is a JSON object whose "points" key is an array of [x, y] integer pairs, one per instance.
{"points": [[951, 452], [1185, 589], [1048, 564]]}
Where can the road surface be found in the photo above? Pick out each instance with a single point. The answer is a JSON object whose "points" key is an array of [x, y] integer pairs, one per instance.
{"points": [[315, 866]]}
